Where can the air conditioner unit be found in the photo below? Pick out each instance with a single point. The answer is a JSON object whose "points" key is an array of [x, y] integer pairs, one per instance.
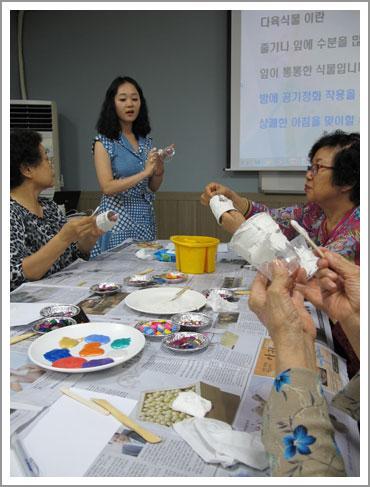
{"points": [[40, 116]]}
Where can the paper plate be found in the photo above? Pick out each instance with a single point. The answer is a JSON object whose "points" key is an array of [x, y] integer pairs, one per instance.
{"points": [[113, 342], [157, 300]]}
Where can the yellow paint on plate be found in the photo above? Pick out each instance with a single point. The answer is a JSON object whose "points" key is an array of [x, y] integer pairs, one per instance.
{"points": [[67, 342]]}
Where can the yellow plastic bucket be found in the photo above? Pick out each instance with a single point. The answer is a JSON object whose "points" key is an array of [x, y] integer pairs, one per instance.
{"points": [[195, 254]]}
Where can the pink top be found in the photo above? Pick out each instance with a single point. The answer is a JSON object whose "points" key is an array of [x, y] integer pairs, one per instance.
{"points": [[344, 239]]}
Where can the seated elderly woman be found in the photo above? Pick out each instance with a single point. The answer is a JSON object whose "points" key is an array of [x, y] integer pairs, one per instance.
{"points": [[297, 431], [332, 214], [41, 240]]}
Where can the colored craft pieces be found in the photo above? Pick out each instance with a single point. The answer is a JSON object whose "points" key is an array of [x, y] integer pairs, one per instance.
{"points": [[157, 328]]}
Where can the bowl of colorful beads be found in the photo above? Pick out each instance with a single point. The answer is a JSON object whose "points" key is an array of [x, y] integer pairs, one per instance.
{"points": [[157, 329], [186, 341], [51, 323], [192, 321], [105, 288]]}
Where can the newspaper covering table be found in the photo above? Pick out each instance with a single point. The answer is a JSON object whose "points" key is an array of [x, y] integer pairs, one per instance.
{"points": [[236, 370]]}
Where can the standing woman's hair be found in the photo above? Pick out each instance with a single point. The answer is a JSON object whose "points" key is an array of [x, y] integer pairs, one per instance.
{"points": [[24, 151], [108, 123]]}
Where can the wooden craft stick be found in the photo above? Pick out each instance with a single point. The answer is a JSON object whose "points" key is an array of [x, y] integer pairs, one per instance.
{"points": [[24, 336], [86, 402], [126, 421], [144, 272]]}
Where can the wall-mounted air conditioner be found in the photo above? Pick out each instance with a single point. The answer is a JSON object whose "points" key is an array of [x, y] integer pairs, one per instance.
{"points": [[41, 116]]}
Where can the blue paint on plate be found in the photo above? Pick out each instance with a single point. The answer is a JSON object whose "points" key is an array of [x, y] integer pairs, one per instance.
{"points": [[56, 354], [97, 338]]}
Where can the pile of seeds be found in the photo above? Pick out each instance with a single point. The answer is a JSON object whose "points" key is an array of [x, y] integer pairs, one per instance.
{"points": [[156, 407]]}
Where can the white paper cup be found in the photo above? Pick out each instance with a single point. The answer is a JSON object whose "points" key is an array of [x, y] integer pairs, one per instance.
{"points": [[105, 221], [219, 205]]}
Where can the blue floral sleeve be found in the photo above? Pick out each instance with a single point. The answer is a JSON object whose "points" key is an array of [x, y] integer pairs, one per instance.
{"points": [[297, 432]]}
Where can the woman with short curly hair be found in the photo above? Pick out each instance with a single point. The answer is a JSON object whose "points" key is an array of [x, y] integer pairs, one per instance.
{"points": [[41, 240]]}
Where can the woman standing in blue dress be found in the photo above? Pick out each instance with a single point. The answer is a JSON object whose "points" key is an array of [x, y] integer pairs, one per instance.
{"points": [[128, 168]]}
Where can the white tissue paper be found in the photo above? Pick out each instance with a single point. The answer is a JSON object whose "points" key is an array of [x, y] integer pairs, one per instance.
{"points": [[146, 254], [218, 304], [190, 402], [216, 442], [219, 205]]}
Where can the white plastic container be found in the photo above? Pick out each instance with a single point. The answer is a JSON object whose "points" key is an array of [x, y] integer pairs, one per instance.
{"points": [[259, 240]]}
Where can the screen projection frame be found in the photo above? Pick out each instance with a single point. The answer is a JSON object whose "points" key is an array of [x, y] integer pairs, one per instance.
{"points": [[235, 79]]}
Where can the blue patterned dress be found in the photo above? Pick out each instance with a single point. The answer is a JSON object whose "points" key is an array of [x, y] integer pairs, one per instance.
{"points": [[135, 205]]}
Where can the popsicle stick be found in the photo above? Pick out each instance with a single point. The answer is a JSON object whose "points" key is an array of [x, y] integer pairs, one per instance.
{"points": [[241, 292], [179, 293], [126, 421], [86, 402], [305, 235], [24, 336], [146, 271]]}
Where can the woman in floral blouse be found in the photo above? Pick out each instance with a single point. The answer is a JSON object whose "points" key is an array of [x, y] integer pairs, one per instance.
{"points": [[331, 215], [297, 432]]}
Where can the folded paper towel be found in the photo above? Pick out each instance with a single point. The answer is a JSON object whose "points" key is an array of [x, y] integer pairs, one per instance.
{"points": [[191, 403], [216, 442]]}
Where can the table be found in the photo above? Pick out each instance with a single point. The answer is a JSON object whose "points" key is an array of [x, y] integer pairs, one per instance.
{"points": [[236, 370]]}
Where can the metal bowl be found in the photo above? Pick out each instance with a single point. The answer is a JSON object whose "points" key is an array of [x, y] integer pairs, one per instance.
{"points": [[192, 321], [139, 280], [51, 323], [146, 326], [222, 292], [65, 310], [99, 288], [186, 342]]}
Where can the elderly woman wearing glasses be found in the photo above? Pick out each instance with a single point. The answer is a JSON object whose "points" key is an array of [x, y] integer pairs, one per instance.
{"points": [[331, 215], [41, 240]]}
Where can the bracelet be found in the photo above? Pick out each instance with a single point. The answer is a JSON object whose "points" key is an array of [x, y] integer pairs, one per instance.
{"points": [[248, 207]]}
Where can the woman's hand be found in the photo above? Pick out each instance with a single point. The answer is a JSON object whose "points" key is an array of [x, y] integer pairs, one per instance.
{"points": [[215, 188], [281, 309], [335, 288], [279, 305], [79, 228], [151, 163]]}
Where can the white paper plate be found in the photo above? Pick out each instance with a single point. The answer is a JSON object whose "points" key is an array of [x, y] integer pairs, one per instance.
{"points": [[114, 331], [157, 300]]}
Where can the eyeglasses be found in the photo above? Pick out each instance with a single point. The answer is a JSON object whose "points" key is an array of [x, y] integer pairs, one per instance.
{"points": [[314, 168]]}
